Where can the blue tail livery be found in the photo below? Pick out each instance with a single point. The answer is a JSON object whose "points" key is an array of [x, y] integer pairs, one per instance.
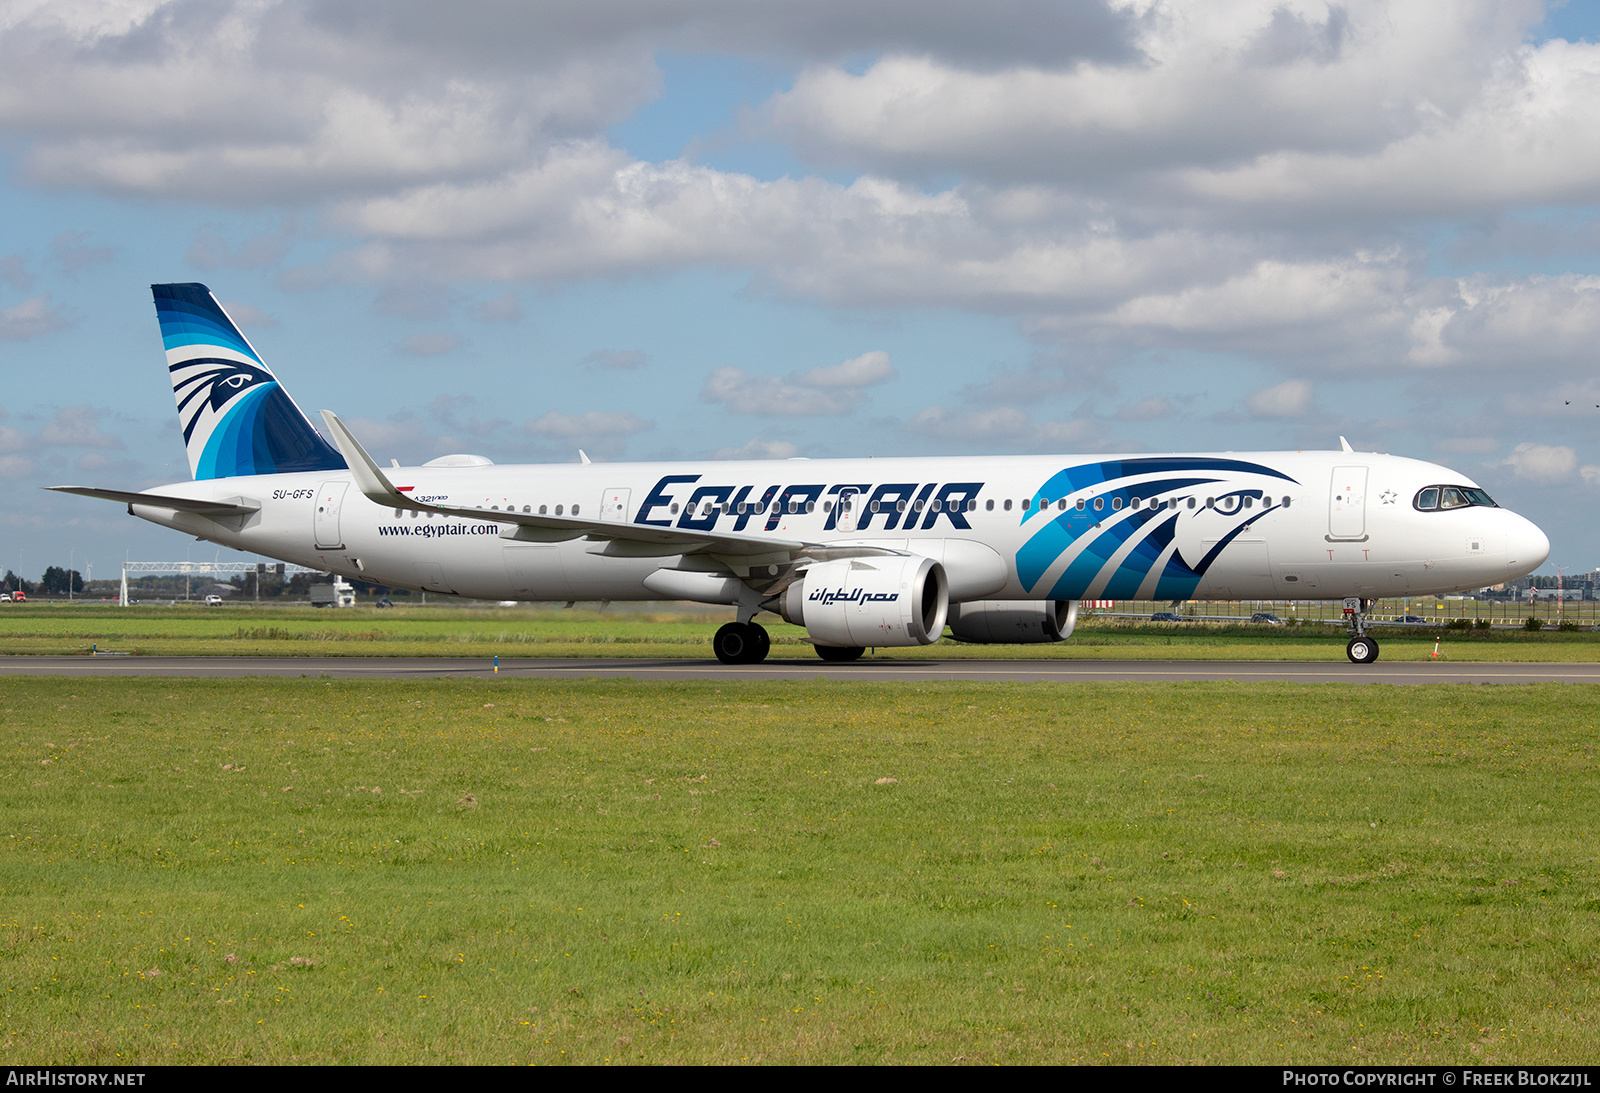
{"points": [[237, 420]]}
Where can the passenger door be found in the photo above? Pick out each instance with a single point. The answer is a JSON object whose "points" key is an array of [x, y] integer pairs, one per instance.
{"points": [[330, 497], [1347, 505]]}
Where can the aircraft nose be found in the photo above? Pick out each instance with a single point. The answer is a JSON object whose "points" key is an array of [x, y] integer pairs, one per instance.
{"points": [[1526, 546]]}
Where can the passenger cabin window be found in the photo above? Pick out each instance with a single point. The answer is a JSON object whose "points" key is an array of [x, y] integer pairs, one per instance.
{"points": [[1008, 504]]}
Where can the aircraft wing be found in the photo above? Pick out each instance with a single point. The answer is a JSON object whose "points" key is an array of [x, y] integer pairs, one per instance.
{"points": [[634, 539], [236, 507]]}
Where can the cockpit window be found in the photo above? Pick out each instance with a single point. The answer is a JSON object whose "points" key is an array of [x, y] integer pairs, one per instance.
{"points": [[1451, 497]]}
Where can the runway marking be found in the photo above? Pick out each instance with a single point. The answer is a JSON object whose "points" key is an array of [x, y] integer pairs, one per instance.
{"points": [[917, 671]]}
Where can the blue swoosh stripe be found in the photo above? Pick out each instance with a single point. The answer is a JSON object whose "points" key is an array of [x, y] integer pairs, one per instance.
{"points": [[230, 449], [1072, 479], [1081, 572], [1124, 583], [1048, 543], [183, 324]]}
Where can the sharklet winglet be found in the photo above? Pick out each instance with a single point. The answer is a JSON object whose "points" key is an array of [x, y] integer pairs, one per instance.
{"points": [[370, 479]]}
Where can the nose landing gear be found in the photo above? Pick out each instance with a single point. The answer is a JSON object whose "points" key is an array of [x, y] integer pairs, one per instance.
{"points": [[1363, 647]]}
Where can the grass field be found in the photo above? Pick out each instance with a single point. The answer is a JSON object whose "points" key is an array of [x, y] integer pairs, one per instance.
{"points": [[268, 871], [667, 632]]}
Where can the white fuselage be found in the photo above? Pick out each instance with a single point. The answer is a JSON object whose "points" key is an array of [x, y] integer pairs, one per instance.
{"points": [[1284, 525]]}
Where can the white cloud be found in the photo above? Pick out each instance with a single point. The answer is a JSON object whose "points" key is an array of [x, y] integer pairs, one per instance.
{"points": [[1291, 398], [14, 272], [16, 466], [759, 449], [1542, 463], [863, 371], [504, 308], [210, 251], [822, 391], [614, 359], [251, 102], [1154, 408], [458, 414], [1226, 175], [593, 423], [78, 426], [1007, 427], [432, 344], [248, 315], [71, 252], [31, 318], [1466, 445], [1525, 134], [1274, 295], [746, 394], [1489, 321], [1220, 84]]}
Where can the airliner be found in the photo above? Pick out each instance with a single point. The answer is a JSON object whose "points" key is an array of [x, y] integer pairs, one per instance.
{"points": [[862, 553]]}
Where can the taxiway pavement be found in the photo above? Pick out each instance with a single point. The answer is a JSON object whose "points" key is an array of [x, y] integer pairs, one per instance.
{"points": [[898, 669]]}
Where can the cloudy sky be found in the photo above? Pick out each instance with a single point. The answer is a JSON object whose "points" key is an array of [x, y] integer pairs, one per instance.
{"points": [[711, 228]]}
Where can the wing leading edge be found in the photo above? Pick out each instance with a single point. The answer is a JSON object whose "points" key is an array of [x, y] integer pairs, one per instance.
{"points": [[377, 488]]}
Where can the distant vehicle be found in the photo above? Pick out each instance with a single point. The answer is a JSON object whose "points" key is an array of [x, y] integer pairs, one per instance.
{"points": [[1411, 618], [213, 601], [5, 597], [1166, 616], [1266, 617], [19, 597], [339, 593], [385, 602]]}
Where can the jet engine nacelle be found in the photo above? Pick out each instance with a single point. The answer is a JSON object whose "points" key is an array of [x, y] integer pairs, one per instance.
{"points": [[1013, 622], [877, 601]]}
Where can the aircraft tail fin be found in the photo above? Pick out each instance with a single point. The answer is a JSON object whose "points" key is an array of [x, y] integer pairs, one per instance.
{"points": [[236, 418]]}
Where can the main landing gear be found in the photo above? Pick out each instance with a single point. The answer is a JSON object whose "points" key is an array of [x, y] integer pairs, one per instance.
{"points": [[741, 643], [1363, 647]]}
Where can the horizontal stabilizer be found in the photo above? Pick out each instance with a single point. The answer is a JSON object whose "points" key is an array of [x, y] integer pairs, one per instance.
{"points": [[182, 504]]}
